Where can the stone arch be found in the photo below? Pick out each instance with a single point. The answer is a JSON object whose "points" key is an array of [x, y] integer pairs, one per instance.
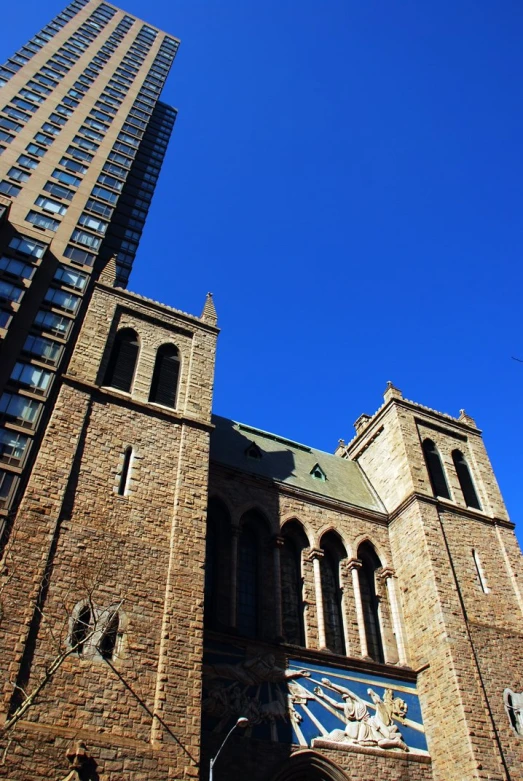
{"points": [[307, 529], [308, 765], [331, 529], [293, 525], [435, 468], [334, 534], [366, 538], [241, 511]]}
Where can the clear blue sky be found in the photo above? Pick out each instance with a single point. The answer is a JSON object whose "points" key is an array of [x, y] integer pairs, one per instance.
{"points": [[346, 177]]}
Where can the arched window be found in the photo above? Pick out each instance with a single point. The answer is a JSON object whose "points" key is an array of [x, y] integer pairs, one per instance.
{"points": [[465, 480], [435, 469], [107, 644], [369, 600], [333, 553], [122, 363], [247, 583], [165, 376], [124, 475], [217, 566], [255, 578], [294, 541], [81, 629]]}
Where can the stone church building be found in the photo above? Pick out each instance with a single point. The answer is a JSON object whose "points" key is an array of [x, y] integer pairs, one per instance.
{"points": [[169, 572]]}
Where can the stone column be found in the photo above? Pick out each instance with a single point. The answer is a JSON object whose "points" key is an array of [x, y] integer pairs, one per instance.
{"points": [[315, 556], [389, 577], [278, 543], [354, 565], [344, 575], [307, 593], [235, 534]]}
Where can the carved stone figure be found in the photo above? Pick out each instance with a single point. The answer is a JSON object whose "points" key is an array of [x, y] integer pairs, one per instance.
{"points": [[361, 728], [386, 709], [395, 706], [513, 702]]}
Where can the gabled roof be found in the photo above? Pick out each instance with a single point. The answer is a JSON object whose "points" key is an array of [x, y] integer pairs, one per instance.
{"points": [[291, 463]]}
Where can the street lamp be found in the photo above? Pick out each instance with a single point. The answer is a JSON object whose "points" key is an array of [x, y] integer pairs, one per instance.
{"points": [[243, 723]]}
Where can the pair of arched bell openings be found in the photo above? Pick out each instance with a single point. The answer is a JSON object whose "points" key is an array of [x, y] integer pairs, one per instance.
{"points": [[254, 584], [438, 478], [122, 367]]}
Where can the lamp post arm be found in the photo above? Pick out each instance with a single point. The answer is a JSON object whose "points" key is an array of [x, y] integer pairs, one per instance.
{"points": [[213, 759]]}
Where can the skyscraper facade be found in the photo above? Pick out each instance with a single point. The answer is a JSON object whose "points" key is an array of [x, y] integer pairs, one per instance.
{"points": [[82, 139]]}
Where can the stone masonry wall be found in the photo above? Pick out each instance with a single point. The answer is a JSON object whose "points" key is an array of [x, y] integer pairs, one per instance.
{"points": [[141, 553], [444, 606], [241, 493]]}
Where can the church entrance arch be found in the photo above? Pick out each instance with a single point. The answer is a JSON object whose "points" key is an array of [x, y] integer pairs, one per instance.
{"points": [[309, 766]]}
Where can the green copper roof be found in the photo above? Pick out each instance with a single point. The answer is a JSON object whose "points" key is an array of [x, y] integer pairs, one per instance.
{"points": [[267, 455]]}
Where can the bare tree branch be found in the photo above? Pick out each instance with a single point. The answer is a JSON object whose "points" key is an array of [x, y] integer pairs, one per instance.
{"points": [[50, 672]]}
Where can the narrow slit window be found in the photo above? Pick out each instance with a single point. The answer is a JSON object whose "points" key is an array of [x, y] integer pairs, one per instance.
{"points": [[480, 573], [123, 486]]}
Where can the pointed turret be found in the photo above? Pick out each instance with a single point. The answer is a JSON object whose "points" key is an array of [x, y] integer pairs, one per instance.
{"points": [[208, 314], [108, 273]]}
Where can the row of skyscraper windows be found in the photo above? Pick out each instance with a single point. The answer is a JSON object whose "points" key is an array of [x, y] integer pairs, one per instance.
{"points": [[112, 178], [76, 161], [124, 171], [21, 404], [50, 75], [23, 55], [29, 384], [114, 173], [129, 218]]}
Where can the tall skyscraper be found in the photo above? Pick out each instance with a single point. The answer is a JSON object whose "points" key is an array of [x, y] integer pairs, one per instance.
{"points": [[82, 140]]}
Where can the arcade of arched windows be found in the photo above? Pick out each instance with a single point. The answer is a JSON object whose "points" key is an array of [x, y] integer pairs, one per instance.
{"points": [[279, 589]]}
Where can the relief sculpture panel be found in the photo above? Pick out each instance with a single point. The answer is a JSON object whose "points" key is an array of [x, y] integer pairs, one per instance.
{"points": [[308, 704]]}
